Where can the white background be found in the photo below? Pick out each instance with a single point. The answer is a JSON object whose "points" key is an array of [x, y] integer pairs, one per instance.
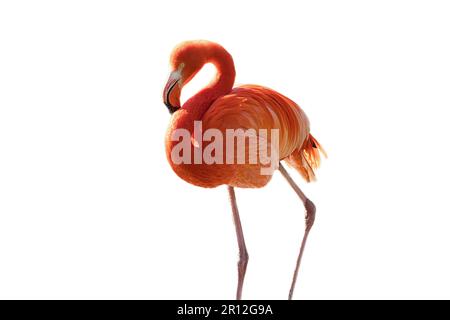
{"points": [[89, 207]]}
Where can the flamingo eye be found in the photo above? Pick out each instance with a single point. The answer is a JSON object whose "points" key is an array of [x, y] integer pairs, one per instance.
{"points": [[177, 73]]}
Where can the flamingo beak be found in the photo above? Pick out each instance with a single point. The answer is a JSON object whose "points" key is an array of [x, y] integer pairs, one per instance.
{"points": [[172, 90]]}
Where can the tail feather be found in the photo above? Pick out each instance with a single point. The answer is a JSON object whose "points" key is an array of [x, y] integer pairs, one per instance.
{"points": [[307, 158]]}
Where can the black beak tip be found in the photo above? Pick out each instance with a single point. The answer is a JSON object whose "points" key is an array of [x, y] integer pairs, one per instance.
{"points": [[171, 108]]}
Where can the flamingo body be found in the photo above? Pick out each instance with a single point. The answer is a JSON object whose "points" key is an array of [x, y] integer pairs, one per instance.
{"points": [[221, 107]]}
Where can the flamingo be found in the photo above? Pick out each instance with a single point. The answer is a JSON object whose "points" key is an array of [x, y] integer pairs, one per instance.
{"points": [[220, 106]]}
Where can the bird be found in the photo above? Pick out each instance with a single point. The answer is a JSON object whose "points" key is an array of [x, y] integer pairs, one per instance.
{"points": [[250, 110]]}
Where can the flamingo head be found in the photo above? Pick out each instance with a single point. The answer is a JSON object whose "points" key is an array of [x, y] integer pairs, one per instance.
{"points": [[186, 60]]}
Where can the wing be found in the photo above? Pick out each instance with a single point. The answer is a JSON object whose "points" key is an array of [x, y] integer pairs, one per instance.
{"points": [[257, 107]]}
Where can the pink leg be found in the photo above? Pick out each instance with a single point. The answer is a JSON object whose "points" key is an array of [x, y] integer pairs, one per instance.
{"points": [[309, 221], [243, 255]]}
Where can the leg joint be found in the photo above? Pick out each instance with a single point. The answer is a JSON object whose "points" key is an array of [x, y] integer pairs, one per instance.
{"points": [[310, 214], [243, 257]]}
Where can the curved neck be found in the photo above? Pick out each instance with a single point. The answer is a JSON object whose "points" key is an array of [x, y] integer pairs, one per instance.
{"points": [[221, 85]]}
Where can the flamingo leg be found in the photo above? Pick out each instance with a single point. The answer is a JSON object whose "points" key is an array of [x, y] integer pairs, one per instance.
{"points": [[309, 221], [243, 255]]}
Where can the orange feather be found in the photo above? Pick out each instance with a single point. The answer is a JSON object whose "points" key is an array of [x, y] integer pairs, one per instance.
{"points": [[221, 107]]}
